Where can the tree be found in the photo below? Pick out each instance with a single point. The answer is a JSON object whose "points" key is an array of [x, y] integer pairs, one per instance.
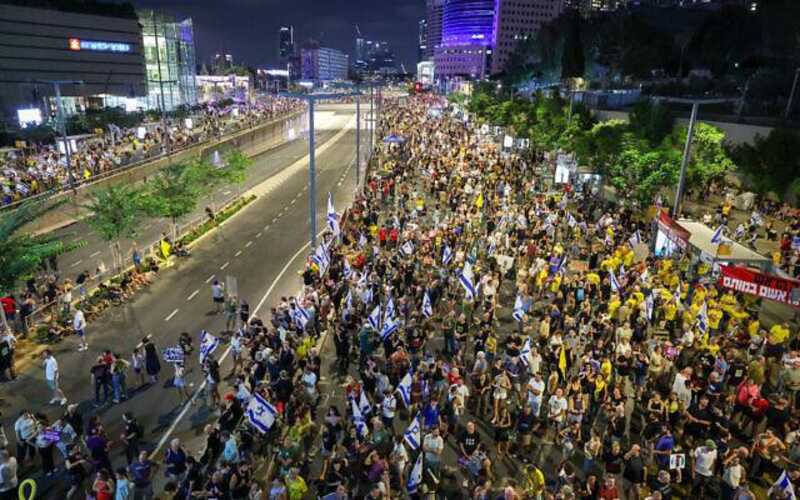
{"points": [[651, 120], [117, 212], [709, 160], [771, 163], [178, 188], [21, 254]]}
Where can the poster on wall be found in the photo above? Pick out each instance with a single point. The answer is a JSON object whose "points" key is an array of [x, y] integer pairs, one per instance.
{"points": [[765, 286]]}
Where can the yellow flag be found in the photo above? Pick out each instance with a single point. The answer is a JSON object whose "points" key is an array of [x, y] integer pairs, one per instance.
{"points": [[166, 248], [479, 201], [562, 362]]}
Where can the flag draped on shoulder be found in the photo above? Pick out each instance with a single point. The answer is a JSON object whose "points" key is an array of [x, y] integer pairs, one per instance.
{"points": [[782, 486], [404, 388], [261, 414], [358, 419], [415, 476], [208, 344]]}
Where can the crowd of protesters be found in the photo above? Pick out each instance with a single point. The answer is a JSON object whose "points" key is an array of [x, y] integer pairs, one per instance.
{"points": [[463, 333], [41, 168]]}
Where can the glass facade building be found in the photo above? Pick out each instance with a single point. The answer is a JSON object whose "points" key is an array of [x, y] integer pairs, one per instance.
{"points": [[169, 61], [468, 22]]}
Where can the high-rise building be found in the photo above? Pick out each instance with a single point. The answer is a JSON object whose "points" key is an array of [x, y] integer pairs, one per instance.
{"points": [[467, 39], [479, 36], [515, 21], [285, 43], [422, 46], [374, 57], [323, 63], [433, 17]]}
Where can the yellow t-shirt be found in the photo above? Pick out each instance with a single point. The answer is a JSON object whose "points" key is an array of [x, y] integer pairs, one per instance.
{"points": [[777, 335]]}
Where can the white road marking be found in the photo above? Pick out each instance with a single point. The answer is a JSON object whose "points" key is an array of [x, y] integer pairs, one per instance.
{"points": [[266, 228], [226, 193], [259, 235], [293, 201], [248, 244], [171, 315], [95, 254], [339, 184], [193, 295], [223, 266], [275, 219], [76, 264], [165, 437], [237, 253], [208, 280]]}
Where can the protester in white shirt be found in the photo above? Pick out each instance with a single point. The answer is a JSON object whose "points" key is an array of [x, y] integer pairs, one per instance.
{"points": [[51, 376], [79, 325], [704, 458]]}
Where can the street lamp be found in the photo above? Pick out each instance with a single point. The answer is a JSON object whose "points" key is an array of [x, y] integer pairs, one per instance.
{"points": [[62, 122], [312, 168], [791, 94], [688, 146]]}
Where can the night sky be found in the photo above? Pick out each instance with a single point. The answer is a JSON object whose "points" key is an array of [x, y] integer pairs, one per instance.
{"points": [[248, 29]]}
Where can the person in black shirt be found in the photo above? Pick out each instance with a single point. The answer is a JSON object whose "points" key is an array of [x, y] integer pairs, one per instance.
{"points": [[101, 377], [635, 473], [469, 440], [131, 437], [699, 419]]}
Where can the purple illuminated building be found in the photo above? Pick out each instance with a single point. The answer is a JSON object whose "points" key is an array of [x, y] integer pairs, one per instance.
{"points": [[467, 39]]}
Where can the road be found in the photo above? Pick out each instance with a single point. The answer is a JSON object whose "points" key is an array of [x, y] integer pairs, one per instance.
{"points": [[262, 247]]}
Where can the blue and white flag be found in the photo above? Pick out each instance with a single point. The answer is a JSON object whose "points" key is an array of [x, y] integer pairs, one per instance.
{"points": [[526, 353], [492, 248], [427, 307], [347, 271], [389, 310], [622, 271], [301, 316], [364, 405], [389, 327], [447, 256], [321, 258], [562, 265], [407, 248], [404, 388], [261, 414], [571, 220], [415, 476], [702, 319], [782, 486], [348, 303], [413, 435], [362, 240], [519, 308], [677, 294], [467, 280], [208, 344], [174, 355], [635, 238], [23, 189], [615, 286], [366, 296], [333, 219], [717, 236], [358, 419], [375, 318], [362, 280]]}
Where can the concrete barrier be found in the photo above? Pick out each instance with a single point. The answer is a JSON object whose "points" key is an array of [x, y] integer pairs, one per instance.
{"points": [[251, 142]]}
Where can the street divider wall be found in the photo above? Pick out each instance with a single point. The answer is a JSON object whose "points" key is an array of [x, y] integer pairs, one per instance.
{"points": [[251, 142]]}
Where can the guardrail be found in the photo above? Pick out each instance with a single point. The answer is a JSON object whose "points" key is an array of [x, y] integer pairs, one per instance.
{"points": [[227, 133]]}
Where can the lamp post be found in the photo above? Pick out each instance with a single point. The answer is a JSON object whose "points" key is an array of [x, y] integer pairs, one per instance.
{"points": [[687, 148], [62, 122], [312, 167], [791, 94]]}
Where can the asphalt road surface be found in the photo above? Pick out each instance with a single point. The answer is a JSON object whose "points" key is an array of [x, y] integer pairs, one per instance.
{"points": [[262, 248]]}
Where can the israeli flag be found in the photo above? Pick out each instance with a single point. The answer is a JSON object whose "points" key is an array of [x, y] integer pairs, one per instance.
{"points": [[782, 488], [635, 238], [643, 277], [375, 318], [615, 286], [447, 256], [622, 270], [466, 278], [677, 294], [208, 344], [649, 304], [23, 189], [348, 303], [347, 271], [492, 248], [519, 308], [322, 259], [389, 310], [571, 220], [526, 353], [717, 236], [389, 327], [261, 414], [404, 388], [366, 297], [358, 419], [407, 249], [362, 280], [415, 477], [562, 264], [362, 240], [301, 316], [333, 219], [702, 319], [413, 435], [364, 405], [427, 307]]}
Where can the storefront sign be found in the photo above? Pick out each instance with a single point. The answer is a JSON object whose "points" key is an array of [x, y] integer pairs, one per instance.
{"points": [[672, 230], [77, 44], [762, 285]]}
